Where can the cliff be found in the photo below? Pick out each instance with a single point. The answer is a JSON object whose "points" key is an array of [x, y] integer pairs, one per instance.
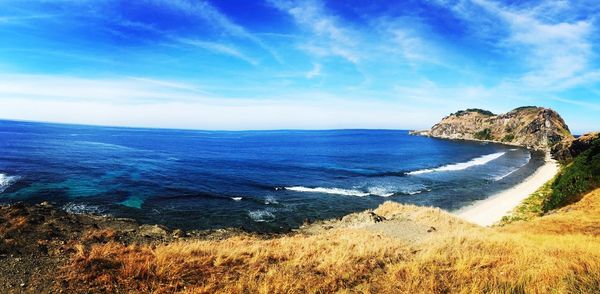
{"points": [[533, 127], [568, 149]]}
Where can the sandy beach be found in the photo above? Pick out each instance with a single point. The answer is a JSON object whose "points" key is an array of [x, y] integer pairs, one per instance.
{"points": [[489, 211]]}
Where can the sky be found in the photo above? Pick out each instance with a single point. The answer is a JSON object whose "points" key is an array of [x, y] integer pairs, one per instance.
{"points": [[284, 64]]}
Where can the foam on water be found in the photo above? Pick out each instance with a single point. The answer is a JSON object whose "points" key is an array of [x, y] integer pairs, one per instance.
{"points": [[6, 181], [261, 216], [236, 198], [380, 191], [337, 191], [481, 160], [80, 208], [271, 200], [498, 178]]}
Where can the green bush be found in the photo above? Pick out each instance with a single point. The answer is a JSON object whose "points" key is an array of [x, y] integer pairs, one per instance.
{"points": [[508, 138], [581, 176], [486, 134], [480, 111], [525, 108]]}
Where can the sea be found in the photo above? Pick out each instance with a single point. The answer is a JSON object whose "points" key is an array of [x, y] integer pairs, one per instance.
{"points": [[262, 181]]}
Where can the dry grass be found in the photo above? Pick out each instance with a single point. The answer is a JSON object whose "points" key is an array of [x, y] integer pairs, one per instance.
{"points": [[559, 253], [532, 207], [582, 217]]}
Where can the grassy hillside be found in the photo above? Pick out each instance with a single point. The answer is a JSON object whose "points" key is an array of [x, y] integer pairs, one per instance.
{"points": [[581, 176], [555, 254]]}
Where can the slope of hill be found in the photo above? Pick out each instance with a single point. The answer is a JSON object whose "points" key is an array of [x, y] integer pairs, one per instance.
{"points": [[393, 249]]}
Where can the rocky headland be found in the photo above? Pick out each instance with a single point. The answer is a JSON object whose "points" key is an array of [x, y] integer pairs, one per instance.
{"points": [[529, 126]]}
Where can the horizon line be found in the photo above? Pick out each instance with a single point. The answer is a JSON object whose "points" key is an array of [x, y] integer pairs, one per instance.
{"points": [[195, 129]]}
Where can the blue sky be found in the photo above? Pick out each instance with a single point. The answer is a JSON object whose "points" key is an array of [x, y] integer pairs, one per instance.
{"points": [[295, 64]]}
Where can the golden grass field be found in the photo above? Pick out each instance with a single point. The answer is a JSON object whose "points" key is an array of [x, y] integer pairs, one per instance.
{"points": [[557, 253]]}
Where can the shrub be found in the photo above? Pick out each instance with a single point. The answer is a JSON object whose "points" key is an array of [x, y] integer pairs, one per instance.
{"points": [[508, 138], [480, 111], [486, 134], [576, 179], [525, 108]]}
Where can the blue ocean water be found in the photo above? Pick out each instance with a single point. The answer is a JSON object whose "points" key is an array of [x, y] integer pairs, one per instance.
{"points": [[255, 180]]}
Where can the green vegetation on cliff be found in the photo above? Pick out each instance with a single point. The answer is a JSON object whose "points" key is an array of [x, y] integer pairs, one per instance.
{"points": [[525, 108], [485, 134], [579, 177], [508, 138], [477, 110]]}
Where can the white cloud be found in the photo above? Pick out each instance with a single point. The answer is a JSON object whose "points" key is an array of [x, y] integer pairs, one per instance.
{"points": [[149, 102], [126, 90], [314, 72], [556, 52]]}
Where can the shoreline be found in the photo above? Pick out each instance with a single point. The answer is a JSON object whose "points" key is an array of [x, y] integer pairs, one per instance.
{"points": [[489, 211], [426, 134]]}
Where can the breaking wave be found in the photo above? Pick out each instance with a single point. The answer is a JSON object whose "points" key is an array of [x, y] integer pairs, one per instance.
{"points": [[460, 166], [498, 178], [337, 191], [6, 181], [371, 191]]}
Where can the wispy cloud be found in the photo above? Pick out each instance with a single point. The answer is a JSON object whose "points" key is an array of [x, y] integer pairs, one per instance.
{"points": [[212, 16], [117, 90], [331, 37], [557, 53], [24, 19], [220, 48]]}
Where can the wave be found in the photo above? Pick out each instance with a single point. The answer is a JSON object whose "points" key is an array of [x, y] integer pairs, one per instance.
{"points": [[481, 160], [6, 181], [236, 198], [498, 178], [371, 191], [262, 216], [105, 145], [380, 191], [337, 191]]}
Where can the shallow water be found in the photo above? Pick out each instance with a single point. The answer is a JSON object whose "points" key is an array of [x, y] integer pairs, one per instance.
{"points": [[256, 180]]}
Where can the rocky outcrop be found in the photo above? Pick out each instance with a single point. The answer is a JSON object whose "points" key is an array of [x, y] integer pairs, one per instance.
{"points": [[532, 127], [568, 149]]}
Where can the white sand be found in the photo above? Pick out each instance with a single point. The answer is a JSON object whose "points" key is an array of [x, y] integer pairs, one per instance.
{"points": [[489, 211]]}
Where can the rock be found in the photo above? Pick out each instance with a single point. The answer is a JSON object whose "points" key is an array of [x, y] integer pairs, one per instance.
{"points": [[533, 127], [431, 229], [567, 150], [362, 219], [153, 231], [46, 204], [178, 234]]}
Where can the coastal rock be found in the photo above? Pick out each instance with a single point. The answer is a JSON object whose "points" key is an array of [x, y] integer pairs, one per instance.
{"points": [[362, 219], [154, 231], [568, 149], [532, 127]]}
